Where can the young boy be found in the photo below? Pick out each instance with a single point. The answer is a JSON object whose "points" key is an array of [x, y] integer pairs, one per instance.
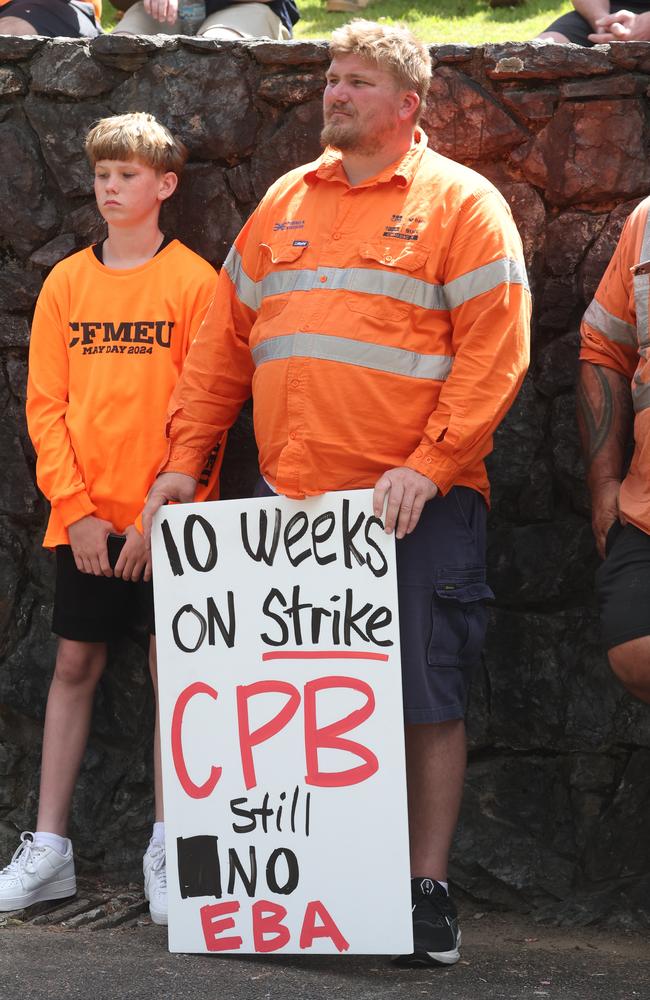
{"points": [[111, 330]]}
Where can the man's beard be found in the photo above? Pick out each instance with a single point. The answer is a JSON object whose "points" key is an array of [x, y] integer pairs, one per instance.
{"points": [[341, 135], [348, 137]]}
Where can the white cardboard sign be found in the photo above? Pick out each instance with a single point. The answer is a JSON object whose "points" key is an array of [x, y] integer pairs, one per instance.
{"points": [[282, 732]]}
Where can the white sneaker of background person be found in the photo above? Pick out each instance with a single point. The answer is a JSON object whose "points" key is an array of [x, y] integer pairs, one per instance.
{"points": [[155, 875], [37, 872]]}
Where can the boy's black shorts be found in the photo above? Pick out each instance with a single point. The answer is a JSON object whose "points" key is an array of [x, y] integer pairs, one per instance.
{"points": [[55, 18], [98, 608], [623, 585]]}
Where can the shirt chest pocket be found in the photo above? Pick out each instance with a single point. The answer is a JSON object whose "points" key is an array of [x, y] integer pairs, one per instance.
{"points": [[389, 281], [286, 274]]}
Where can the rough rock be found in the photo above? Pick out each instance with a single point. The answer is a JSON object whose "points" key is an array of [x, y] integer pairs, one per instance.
{"points": [[290, 88], [12, 82], [66, 69], [543, 61], [54, 251], [204, 214], [183, 90], [18, 288], [535, 107], [465, 122], [293, 53], [556, 369], [16, 49], [574, 159], [62, 130], [23, 184], [568, 237], [294, 141]]}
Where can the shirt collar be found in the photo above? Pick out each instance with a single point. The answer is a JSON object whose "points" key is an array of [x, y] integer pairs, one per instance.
{"points": [[329, 168]]}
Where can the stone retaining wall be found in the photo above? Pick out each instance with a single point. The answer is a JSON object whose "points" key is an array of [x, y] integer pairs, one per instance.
{"points": [[557, 809]]}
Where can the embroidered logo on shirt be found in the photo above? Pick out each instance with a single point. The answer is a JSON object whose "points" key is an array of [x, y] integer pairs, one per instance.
{"points": [[288, 225], [403, 230], [301, 243]]}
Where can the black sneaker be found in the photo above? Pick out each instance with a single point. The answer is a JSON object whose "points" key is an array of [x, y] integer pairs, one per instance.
{"points": [[436, 935]]}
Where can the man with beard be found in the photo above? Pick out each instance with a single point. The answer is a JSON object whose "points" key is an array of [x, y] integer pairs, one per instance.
{"points": [[376, 304]]}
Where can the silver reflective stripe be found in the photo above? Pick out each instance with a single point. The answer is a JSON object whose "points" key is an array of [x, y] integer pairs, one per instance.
{"points": [[354, 352], [374, 281], [247, 290], [614, 328], [367, 280], [484, 279], [641, 289], [640, 393]]}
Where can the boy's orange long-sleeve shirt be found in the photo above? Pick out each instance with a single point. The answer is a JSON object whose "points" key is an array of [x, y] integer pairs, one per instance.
{"points": [[107, 347], [379, 325]]}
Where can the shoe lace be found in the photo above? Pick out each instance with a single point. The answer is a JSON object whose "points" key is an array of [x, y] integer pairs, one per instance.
{"points": [[159, 866], [24, 857]]}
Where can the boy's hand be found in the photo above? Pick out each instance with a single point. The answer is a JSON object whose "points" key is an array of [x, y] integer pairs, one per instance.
{"points": [[167, 487], [162, 10], [134, 560], [88, 543]]}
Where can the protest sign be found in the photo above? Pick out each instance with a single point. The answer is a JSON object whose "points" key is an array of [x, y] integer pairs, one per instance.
{"points": [[281, 727]]}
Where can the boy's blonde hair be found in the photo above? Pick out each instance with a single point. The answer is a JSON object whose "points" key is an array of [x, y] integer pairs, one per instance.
{"points": [[136, 136], [390, 47]]}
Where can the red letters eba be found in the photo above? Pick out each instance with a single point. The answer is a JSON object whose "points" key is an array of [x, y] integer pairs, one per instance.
{"points": [[269, 931], [315, 738]]}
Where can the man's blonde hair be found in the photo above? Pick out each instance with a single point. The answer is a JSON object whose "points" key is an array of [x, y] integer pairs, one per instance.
{"points": [[390, 47], [136, 136]]}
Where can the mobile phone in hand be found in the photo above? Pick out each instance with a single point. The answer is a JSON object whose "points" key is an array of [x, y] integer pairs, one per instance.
{"points": [[114, 545]]}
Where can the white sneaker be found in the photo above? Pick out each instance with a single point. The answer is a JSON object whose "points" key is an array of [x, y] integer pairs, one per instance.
{"points": [[155, 881], [34, 874]]}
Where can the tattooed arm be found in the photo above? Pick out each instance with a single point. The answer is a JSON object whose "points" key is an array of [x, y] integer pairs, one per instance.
{"points": [[604, 419]]}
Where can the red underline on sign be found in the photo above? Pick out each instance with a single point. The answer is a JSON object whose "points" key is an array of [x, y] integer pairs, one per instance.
{"points": [[322, 654]]}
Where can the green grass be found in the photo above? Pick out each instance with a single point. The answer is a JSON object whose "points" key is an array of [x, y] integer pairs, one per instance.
{"points": [[473, 22]]}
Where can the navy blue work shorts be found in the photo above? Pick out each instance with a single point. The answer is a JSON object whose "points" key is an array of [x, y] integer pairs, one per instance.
{"points": [[623, 585], [91, 608], [442, 613], [442, 593]]}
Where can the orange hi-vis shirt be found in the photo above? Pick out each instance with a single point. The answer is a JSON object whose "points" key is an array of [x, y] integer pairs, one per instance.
{"points": [[107, 347], [378, 326], [97, 4], [615, 333]]}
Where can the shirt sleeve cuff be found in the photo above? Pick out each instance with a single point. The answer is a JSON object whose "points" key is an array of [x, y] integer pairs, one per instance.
{"points": [[71, 509], [440, 469], [180, 458]]}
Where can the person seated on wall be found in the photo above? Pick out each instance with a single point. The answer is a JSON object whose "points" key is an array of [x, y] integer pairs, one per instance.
{"points": [[594, 22], [52, 18], [224, 19]]}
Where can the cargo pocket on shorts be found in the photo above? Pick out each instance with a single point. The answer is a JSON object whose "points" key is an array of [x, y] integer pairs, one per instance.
{"points": [[458, 617]]}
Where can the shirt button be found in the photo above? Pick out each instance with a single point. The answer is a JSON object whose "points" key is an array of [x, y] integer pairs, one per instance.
{"points": [[323, 277], [293, 435], [336, 236], [387, 259], [428, 461], [295, 383]]}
